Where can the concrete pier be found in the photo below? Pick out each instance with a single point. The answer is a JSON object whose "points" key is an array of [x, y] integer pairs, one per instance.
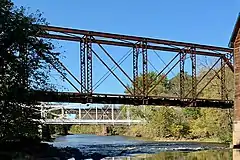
{"points": [[236, 154]]}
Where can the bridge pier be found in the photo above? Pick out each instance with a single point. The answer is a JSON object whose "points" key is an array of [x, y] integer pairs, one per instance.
{"points": [[45, 132], [63, 130], [235, 42], [236, 154], [105, 130]]}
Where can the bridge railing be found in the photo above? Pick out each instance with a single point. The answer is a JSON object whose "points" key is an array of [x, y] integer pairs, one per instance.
{"points": [[109, 114]]}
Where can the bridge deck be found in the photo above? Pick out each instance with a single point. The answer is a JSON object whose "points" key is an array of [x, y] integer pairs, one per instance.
{"points": [[73, 97], [81, 121]]}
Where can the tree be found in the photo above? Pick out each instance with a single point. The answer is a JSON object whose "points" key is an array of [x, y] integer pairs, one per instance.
{"points": [[156, 84], [174, 85], [22, 69]]}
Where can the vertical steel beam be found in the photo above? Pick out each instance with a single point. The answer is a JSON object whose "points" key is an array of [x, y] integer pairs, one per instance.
{"points": [[112, 114], [79, 113], [128, 115], [194, 75], [89, 64], [223, 88], [135, 69], [182, 59], [96, 113], [62, 112], [83, 66], [145, 68]]}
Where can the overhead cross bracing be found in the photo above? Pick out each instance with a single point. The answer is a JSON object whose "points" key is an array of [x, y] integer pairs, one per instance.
{"points": [[140, 46]]}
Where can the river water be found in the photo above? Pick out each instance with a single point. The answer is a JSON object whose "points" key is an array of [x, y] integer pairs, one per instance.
{"points": [[121, 147]]}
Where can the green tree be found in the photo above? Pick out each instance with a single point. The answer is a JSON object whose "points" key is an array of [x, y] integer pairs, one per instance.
{"points": [[22, 69], [174, 85], [156, 84]]}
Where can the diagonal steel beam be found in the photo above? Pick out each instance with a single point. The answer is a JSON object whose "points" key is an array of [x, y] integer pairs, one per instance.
{"points": [[154, 80], [108, 73], [217, 72], [227, 61], [105, 51], [111, 71], [204, 77], [59, 71]]}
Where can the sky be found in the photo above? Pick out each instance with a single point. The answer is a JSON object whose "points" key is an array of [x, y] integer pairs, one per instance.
{"points": [[206, 22]]}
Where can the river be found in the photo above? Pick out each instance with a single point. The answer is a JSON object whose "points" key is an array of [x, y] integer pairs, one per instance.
{"points": [[121, 148]]}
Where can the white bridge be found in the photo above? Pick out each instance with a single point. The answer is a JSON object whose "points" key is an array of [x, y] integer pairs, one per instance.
{"points": [[85, 114]]}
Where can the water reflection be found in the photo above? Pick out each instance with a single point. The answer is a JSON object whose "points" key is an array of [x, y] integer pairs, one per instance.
{"points": [[201, 155]]}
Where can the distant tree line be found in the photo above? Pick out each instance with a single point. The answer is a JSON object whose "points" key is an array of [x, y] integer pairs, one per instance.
{"points": [[180, 123], [187, 123]]}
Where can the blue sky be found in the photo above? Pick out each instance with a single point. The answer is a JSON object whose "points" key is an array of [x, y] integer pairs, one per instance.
{"points": [[206, 22]]}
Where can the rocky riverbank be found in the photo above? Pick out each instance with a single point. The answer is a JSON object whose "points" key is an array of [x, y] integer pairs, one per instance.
{"points": [[29, 149]]}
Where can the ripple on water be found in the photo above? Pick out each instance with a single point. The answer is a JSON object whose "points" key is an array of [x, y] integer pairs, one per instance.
{"points": [[112, 146]]}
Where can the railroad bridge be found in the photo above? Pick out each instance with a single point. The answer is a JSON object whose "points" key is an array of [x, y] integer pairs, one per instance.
{"points": [[141, 50], [92, 43]]}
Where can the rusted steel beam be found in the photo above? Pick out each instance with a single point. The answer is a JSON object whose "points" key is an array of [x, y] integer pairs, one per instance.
{"points": [[83, 66], [145, 68], [182, 57], [99, 58], [160, 73], [135, 70], [194, 74], [99, 98], [112, 59], [216, 73], [59, 71], [125, 44], [199, 81], [223, 79], [88, 43], [228, 62], [113, 68], [134, 38]]}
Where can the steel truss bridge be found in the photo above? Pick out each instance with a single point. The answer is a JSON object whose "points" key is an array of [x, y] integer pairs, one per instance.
{"points": [[90, 42], [72, 114]]}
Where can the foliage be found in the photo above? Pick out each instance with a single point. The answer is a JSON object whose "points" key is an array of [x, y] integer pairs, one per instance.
{"points": [[174, 85], [157, 84], [201, 155], [188, 123], [22, 69], [180, 123], [86, 129]]}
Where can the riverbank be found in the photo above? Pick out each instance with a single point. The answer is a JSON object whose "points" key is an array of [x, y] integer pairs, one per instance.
{"points": [[121, 146], [182, 140], [135, 132], [97, 147], [29, 149]]}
